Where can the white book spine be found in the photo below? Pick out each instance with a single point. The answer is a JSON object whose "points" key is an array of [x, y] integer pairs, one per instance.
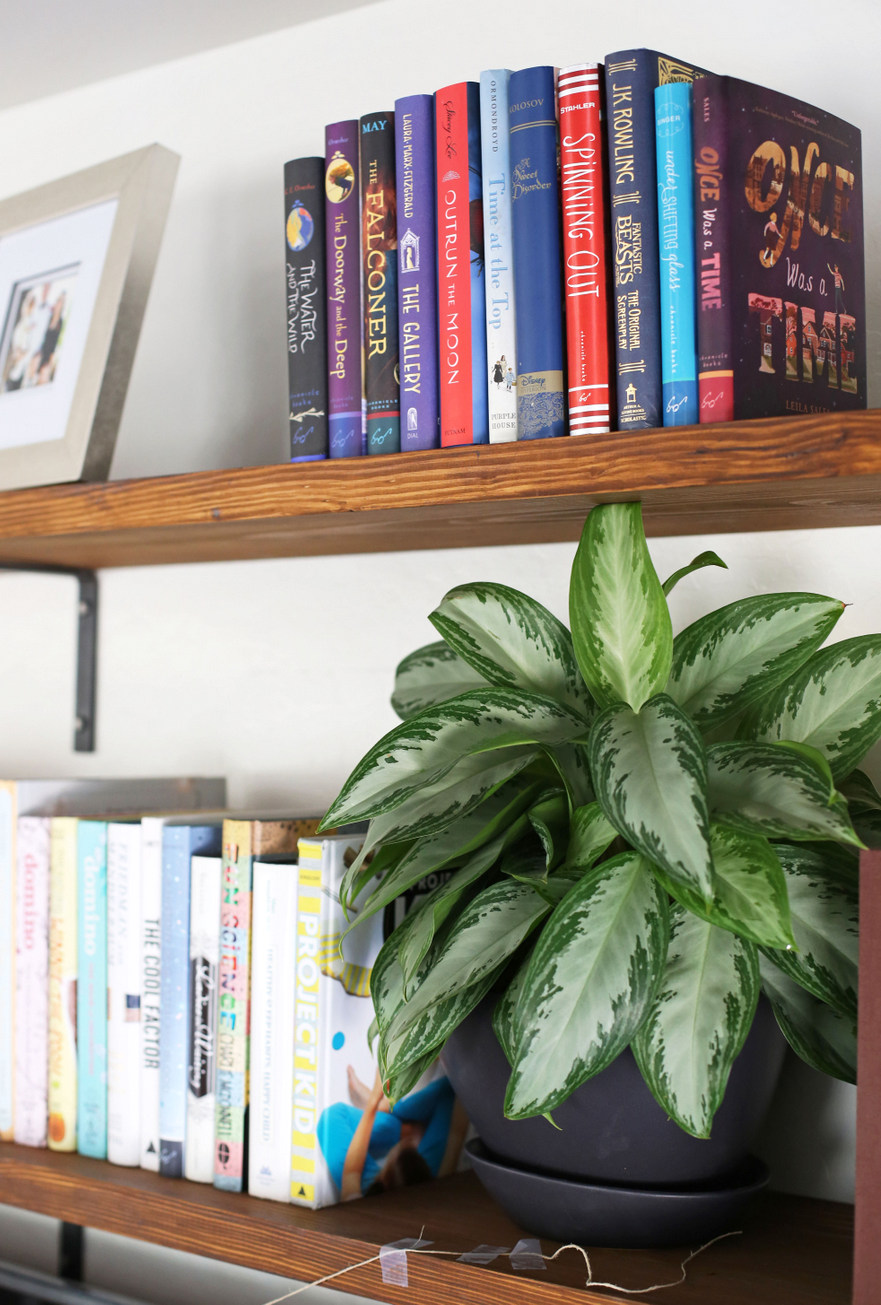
{"points": [[32, 982], [7, 959], [151, 962], [273, 982], [205, 879], [123, 993]]}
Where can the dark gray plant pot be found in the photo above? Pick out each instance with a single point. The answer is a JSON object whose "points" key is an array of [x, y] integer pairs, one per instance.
{"points": [[611, 1129]]}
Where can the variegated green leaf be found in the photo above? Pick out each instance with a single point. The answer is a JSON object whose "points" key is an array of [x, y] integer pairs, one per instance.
{"points": [[503, 1013], [489, 930], [426, 747], [864, 805], [750, 889], [428, 676], [512, 641], [650, 773], [698, 1021], [401, 1082], [822, 1037], [590, 834], [398, 1050], [727, 660], [371, 862], [474, 830], [771, 789], [570, 759], [825, 924], [550, 820], [621, 627], [448, 896], [591, 977], [709, 558], [442, 803], [833, 703]]}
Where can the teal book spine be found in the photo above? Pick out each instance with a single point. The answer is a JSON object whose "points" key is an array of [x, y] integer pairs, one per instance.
{"points": [[91, 1010], [676, 253]]}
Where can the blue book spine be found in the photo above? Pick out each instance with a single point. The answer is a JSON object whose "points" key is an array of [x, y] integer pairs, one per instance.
{"points": [[631, 78], [498, 252], [417, 276], [179, 844], [343, 250], [91, 1004], [535, 221], [676, 253]]}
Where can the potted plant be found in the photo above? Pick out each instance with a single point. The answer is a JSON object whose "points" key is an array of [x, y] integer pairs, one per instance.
{"points": [[640, 833]]}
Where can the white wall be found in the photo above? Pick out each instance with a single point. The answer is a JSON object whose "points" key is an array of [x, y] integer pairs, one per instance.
{"points": [[277, 673]]}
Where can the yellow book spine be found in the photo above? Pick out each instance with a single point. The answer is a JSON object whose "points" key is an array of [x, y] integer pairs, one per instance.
{"points": [[62, 983], [304, 1142]]}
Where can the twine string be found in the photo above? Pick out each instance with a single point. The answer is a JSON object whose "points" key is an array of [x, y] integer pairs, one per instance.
{"points": [[570, 1246]]}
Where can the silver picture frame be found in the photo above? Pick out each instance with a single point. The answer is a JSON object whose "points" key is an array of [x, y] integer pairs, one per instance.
{"points": [[77, 258]]}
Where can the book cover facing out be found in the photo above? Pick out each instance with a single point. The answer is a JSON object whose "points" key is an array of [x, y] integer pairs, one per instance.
{"points": [[379, 255], [535, 222], [461, 281], [417, 271], [343, 253], [631, 77], [780, 259], [306, 305]]}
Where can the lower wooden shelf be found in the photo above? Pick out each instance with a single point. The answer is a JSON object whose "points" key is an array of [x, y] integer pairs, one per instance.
{"points": [[790, 1251]]}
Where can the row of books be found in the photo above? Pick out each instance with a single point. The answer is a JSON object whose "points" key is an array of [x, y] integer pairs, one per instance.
{"points": [[178, 1001], [546, 252]]}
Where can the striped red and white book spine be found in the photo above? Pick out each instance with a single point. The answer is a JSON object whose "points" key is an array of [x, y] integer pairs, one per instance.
{"points": [[585, 249]]}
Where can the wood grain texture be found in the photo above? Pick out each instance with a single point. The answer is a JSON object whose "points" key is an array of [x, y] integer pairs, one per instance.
{"points": [[782, 473], [867, 1231], [791, 1250]]}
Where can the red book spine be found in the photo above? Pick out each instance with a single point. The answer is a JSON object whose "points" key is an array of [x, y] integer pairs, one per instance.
{"points": [[454, 265], [585, 249]]}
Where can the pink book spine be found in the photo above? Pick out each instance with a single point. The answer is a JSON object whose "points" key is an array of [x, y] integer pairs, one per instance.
{"points": [[32, 982]]}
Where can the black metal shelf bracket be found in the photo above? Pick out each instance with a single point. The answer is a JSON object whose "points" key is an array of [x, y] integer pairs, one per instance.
{"points": [[87, 646]]}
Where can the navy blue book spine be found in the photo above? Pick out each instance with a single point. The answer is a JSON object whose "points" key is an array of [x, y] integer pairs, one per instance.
{"points": [[417, 273], [306, 293], [631, 78], [535, 227]]}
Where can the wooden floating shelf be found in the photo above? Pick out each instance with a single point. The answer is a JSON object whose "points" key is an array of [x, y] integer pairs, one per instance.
{"points": [[791, 1249], [780, 473]]}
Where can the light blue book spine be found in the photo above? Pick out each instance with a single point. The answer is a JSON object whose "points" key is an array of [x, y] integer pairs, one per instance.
{"points": [[676, 251], [91, 1012], [179, 844], [498, 255]]}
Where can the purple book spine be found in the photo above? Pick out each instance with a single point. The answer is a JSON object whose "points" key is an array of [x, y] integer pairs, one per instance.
{"points": [[343, 289], [417, 286]]}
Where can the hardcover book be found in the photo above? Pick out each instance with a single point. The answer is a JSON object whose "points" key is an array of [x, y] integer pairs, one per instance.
{"points": [[417, 271], [32, 981], [585, 249], [273, 985], [243, 841], [151, 987], [780, 258], [463, 377], [535, 223], [306, 302], [205, 876], [124, 993], [7, 958], [91, 1012], [347, 1138], [631, 77], [501, 312], [180, 842], [343, 254], [62, 983], [676, 253], [379, 270]]}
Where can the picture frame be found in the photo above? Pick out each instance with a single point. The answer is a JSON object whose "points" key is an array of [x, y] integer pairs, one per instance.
{"points": [[77, 258]]}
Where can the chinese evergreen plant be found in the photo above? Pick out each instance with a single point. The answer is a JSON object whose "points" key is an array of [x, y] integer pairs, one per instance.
{"points": [[640, 832]]}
